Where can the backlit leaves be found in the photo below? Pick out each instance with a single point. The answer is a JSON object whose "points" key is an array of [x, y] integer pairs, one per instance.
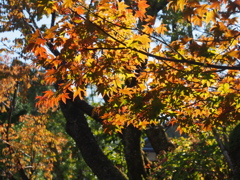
{"points": [[67, 3], [211, 16], [126, 55], [161, 29], [142, 5]]}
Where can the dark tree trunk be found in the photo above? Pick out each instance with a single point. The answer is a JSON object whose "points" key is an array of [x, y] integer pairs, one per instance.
{"points": [[234, 151], [133, 154], [159, 139], [77, 127]]}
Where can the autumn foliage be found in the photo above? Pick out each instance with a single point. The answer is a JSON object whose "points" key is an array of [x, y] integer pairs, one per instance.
{"points": [[124, 51], [189, 80]]}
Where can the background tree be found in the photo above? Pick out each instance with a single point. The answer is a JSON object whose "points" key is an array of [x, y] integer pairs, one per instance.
{"points": [[35, 138]]}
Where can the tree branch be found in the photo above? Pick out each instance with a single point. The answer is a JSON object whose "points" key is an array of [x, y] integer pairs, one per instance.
{"points": [[223, 149], [183, 60], [77, 127]]}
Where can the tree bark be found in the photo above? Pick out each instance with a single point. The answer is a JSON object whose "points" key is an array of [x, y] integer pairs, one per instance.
{"points": [[131, 138], [159, 139], [77, 127], [133, 154], [234, 151]]}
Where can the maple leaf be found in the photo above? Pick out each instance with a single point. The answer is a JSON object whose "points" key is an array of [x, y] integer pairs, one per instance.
{"points": [[78, 92], [211, 16], [144, 39], [64, 97], [142, 5], [186, 39], [40, 41], [161, 29], [67, 3], [197, 20], [147, 29], [40, 51], [181, 4], [140, 14], [122, 6], [235, 54], [56, 63], [157, 49], [79, 10], [215, 5], [48, 93], [143, 124]]}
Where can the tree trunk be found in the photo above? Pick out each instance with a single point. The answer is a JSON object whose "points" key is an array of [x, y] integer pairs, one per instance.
{"points": [[234, 151], [77, 127], [159, 139], [133, 154]]}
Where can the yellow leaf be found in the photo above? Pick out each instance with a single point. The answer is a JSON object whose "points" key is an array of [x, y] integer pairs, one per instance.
{"points": [[144, 39], [197, 20], [161, 29], [211, 16], [78, 58], [170, 4], [224, 88], [76, 92], [67, 3], [143, 124], [181, 4], [122, 6], [142, 87], [235, 54], [147, 29]]}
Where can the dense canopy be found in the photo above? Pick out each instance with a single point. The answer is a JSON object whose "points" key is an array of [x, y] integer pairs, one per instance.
{"points": [[148, 63]]}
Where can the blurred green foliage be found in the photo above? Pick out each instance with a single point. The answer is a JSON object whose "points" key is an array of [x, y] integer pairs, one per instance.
{"points": [[196, 157]]}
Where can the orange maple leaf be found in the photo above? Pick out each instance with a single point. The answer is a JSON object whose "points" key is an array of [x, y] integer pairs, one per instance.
{"points": [[79, 10], [140, 14], [48, 94], [142, 5], [64, 97]]}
